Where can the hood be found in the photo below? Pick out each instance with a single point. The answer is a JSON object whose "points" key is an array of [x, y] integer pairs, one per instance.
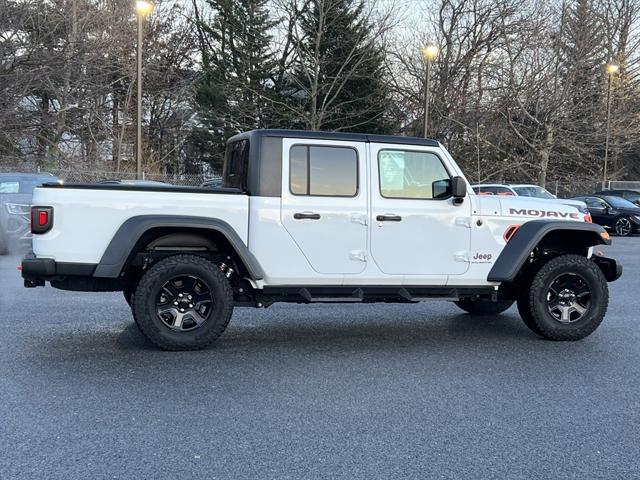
{"points": [[627, 211], [575, 203], [530, 207], [21, 198]]}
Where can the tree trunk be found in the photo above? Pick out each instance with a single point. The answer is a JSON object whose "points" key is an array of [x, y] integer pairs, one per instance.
{"points": [[544, 153]]}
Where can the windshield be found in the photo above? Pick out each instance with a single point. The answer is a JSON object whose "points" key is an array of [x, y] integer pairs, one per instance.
{"points": [[618, 202], [22, 185], [533, 191]]}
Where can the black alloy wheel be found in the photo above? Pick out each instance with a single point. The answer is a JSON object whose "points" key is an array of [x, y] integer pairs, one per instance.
{"points": [[184, 303], [568, 298]]}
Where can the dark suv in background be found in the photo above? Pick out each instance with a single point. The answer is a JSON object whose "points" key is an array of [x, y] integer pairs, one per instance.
{"points": [[16, 190], [631, 195], [613, 213]]}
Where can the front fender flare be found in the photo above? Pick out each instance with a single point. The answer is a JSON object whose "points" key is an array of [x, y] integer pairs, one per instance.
{"points": [[529, 235], [125, 239]]}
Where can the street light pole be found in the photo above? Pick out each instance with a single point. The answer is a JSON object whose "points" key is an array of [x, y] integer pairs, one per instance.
{"points": [[427, 94], [429, 53], [612, 68], [143, 8]]}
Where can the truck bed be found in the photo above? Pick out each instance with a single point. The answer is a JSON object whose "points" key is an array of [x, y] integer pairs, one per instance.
{"points": [[86, 217]]}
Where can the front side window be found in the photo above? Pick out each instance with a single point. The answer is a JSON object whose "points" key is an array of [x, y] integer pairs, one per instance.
{"points": [[413, 175], [323, 171], [594, 202], [236, 164]]}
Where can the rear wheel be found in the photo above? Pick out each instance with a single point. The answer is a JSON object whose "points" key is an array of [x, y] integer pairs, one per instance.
{"points": [[484, 307], [623, 226], [183, 302], [567, 299]]}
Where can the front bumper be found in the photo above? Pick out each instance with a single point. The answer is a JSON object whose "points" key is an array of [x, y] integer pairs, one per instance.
{"points": [[611, 268]]}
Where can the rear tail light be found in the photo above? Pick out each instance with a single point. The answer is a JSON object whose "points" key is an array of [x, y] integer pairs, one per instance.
{"points": [[587, 218], [41, 219]]}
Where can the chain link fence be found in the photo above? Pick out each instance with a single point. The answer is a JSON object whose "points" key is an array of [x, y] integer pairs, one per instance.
{"points": [[562, 189], [620, 185], [93, 176], [78, 176]]}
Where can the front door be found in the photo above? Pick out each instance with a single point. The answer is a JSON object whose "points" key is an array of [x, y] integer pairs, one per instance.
{"points": [[416, 226], [324, 202], [599, 211]]}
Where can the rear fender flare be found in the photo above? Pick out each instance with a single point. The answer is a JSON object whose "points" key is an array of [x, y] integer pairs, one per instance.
{"points": [[122, 244]]}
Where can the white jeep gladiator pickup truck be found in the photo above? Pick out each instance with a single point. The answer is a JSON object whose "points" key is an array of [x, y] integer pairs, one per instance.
{"points": [[320, 217]]}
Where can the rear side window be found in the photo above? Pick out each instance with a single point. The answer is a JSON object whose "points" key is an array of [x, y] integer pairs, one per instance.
{"points": [[236, 164], [323, 171], [412, 175]]}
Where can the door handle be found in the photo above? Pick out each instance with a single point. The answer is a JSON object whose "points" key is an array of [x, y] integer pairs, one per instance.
{"points": [[389, 217], [306, 216]]}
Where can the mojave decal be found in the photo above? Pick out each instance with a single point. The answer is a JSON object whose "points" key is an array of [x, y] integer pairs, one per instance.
{"points": [[543, 213]]}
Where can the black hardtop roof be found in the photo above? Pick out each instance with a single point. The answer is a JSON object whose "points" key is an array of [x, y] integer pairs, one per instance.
{"points": [[340, 136]]}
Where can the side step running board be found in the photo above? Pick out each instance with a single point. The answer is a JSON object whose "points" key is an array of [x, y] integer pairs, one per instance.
{"points": [[372, 293], [356, 295], [451, 295]]}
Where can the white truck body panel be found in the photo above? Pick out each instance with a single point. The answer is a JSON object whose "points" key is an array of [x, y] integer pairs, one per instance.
{"points": [[85, 221]]}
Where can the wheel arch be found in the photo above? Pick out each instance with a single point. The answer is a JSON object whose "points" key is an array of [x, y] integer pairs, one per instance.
{"points": [[170, 231], [570, 237]]}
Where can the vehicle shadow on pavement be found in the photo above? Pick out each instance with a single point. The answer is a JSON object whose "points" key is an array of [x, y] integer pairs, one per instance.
{"points": [[320, 332]]}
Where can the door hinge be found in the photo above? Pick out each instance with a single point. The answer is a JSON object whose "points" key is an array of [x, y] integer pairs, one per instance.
{"points": [[462, 256], [359, 218], [463, 222], [358, 255]]}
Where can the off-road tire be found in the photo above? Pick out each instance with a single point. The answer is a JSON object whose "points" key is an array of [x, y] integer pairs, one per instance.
{"points": [[149, 287], [623, 227], [534, 308], [128, 296], [525, 312], [484, 307]]}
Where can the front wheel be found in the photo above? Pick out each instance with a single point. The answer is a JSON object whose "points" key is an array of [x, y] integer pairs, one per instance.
{"points": [[623, 226], [183, 302], [484, 307], [567, 299]]}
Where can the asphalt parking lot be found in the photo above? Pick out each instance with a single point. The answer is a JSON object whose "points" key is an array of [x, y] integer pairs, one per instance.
{"points": [[373, 391]]}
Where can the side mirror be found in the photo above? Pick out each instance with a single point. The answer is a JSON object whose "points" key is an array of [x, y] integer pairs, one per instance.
{"points": [[458, 187], [441, 188]]}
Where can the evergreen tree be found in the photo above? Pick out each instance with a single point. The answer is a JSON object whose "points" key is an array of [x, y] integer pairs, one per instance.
{"points": [[235, 89], [583, 57], [340, 76]]}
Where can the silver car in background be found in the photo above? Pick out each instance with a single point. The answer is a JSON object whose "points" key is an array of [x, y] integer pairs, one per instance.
{"points": [[16, 190], [525, 190]]}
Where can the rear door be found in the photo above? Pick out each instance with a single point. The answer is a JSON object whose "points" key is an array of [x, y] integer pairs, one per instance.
{"points": [[324, 202], [417, 228]]}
